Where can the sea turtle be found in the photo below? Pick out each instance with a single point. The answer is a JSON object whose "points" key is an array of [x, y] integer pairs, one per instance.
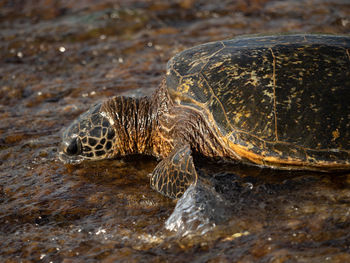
{"points": [[277, 101]]}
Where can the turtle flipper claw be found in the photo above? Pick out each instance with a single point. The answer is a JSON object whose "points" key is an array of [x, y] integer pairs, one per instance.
{"points": [[175, 173]]}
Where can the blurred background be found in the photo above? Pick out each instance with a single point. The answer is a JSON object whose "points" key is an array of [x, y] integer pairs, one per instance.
{"points": [[57, 58]]}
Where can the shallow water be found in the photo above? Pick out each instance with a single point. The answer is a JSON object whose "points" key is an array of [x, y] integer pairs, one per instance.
{"points": [[58, 58]]}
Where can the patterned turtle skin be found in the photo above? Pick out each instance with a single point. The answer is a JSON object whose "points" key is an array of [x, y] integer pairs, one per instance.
{"points": [[277, 101], [90, 137]]}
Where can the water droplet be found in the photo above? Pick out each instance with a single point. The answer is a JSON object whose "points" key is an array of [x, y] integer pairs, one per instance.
{"points": [[99, 231], [114, 15], [248, 185], [344, 22]]}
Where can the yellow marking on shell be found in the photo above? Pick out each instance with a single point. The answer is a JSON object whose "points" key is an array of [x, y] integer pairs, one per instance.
{"points": [[239, 115], [185, 85], [253, 78], [335, 134], [274, 91], [267, 76], [238, 152], [267, 93], [347, 52], [171, 67], [218, 64], [204, 59], [221, 106], [288, 102], [195, 63], [203, 109], [232, 71], [314, 107]]}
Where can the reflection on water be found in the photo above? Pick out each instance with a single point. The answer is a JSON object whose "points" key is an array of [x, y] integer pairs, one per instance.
{"points": [[60, 57]]}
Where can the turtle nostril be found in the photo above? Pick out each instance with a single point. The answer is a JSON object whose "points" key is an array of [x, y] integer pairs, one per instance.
{"points": [[74, 147]]}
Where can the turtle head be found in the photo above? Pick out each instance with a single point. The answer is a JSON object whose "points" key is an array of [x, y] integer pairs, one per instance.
{"points": [[88, 137]]}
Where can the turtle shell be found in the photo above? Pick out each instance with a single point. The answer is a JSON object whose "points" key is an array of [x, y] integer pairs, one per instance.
{"points": [[277, 100]]}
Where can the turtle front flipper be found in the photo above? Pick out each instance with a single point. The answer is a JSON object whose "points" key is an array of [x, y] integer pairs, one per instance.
{"points": [[175, 173]]}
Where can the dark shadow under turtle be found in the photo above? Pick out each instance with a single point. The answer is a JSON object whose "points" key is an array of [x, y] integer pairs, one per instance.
{"points": [[273, 101]]}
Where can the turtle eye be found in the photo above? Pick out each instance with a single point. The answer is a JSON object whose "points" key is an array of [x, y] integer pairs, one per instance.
{"points": [[74, 147]]}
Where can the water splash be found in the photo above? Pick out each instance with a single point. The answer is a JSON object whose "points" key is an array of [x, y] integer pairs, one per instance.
{"points": [[198, 211]]}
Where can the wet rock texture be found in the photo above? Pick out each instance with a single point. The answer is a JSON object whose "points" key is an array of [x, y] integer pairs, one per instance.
{"points": [[57, 58]]}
